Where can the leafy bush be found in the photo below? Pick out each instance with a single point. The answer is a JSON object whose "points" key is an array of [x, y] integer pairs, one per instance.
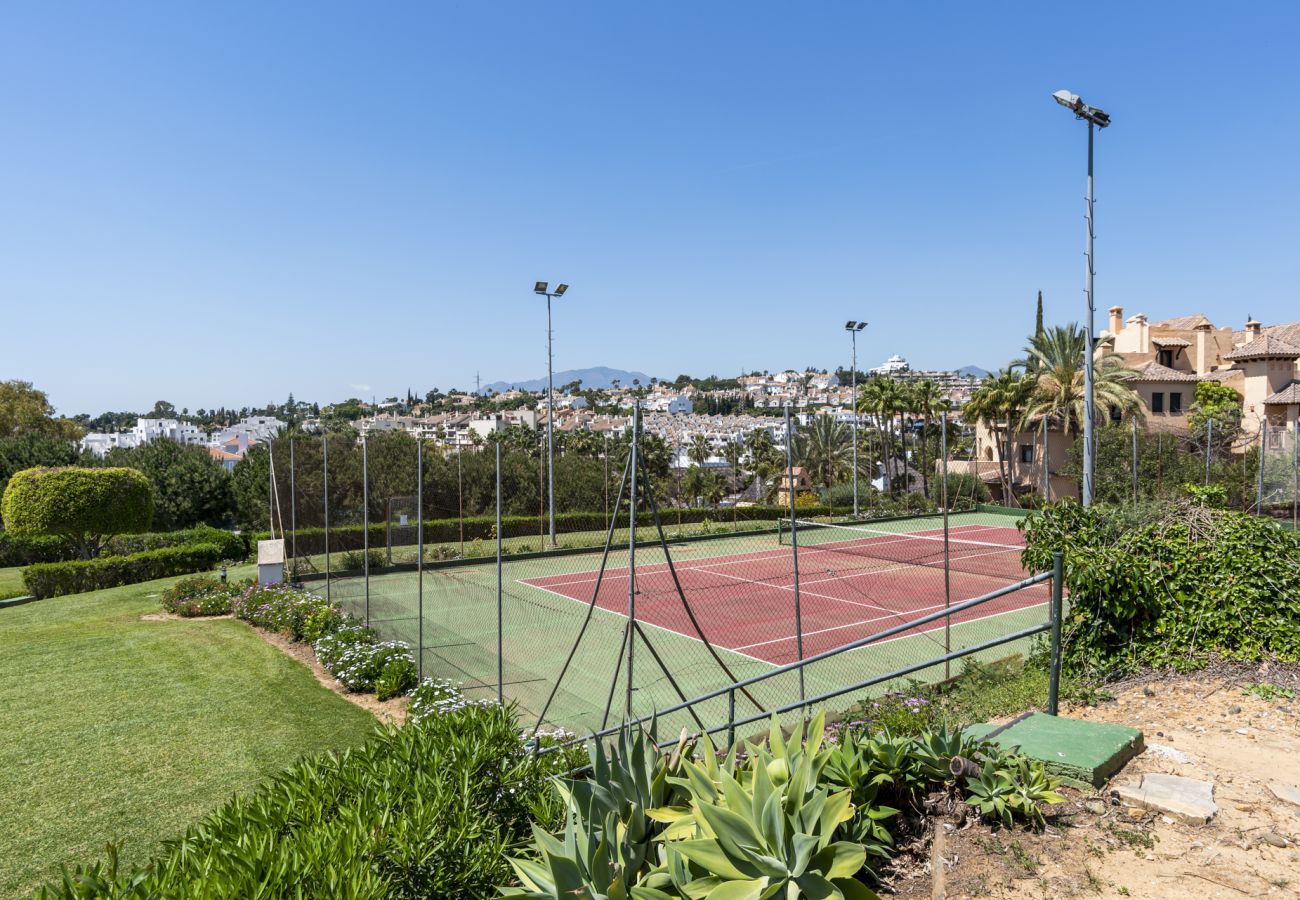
{"points": [[425, 811], [355, 560], [56, 579], [1171, 585], [201, 595], [298, 615], [25, 549], [85, 505], [386, 667], [233, 546]]}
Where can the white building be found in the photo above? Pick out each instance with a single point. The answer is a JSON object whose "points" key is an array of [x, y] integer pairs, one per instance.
{"points": [[145, 431], [893, 366]]}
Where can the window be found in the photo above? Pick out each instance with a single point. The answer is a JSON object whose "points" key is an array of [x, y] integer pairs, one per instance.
{"points": [[1166, 357], [1026, 453], [1116, 415], [1175, 402], [1157, 402]]}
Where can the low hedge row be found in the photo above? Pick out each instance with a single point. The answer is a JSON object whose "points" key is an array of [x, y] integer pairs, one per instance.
{"points": [[310, 541], [25, 550], [56, 579]]}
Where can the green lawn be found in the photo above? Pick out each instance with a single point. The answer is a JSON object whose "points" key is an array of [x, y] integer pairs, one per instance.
{"points": [[117, 728], [11, 583]]}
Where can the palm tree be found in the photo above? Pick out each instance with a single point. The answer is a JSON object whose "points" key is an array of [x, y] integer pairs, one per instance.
{"points": [[999, 403], [765, 461], [1055, 357], [824, 450], [927, 400], [699, 450]]}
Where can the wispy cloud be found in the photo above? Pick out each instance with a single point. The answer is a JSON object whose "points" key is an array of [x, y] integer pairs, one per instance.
{"points": [[365, 388]]}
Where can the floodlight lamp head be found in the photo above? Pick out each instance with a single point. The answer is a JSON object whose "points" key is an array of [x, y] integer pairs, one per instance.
{"points": [[1066, 99], [560, 289], [539, 287], [850, 325], [861, 325], [1081, 110]]}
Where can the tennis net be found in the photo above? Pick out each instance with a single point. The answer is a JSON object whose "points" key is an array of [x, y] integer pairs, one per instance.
{"points": [[875, 548]]}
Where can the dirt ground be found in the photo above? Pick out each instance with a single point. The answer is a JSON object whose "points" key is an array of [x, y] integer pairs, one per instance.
{"points": [[1203, 726]]}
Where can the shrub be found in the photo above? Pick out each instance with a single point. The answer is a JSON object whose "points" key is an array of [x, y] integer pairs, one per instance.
{"points": [[85, 505], [233, 546], [25, 549], [201, 595], [288, 611], [1171, 585], [425, 811], [355, 560], [56, 579], [386, 667]]}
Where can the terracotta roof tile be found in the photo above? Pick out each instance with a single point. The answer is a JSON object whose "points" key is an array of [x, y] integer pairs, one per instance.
{"points": [[1286, 397], [1265, 346], [1182, 323], [1171, 342], [1153, 371]]}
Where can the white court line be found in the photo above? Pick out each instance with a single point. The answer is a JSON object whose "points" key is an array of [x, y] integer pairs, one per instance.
{"points": [[709, 565], [901, 636], [662, 628]]}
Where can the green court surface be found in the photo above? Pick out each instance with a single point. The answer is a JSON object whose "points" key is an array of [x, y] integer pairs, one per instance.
{"points": [[740, 589]]}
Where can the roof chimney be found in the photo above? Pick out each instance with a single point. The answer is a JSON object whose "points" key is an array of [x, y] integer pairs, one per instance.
{"points": [[1252, 326], [1116, 319]]}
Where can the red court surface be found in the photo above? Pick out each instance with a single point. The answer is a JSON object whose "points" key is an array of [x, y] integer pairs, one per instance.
{"points": [[745, 601]]}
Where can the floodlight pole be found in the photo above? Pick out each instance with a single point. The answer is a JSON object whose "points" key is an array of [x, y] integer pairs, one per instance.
{"points": [[1089, 401], [542, 288], [853, 335]]}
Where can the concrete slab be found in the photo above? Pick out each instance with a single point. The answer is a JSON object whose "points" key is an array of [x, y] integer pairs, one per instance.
{"points": [[1082, 754], [1185, 799], [1288, 792]]}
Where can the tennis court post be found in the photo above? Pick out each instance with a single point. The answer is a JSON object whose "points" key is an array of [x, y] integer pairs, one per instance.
{"points": [[293, 513], [365, 520], [794, 542], [1054, 676], [500, 623], [631, 552], [947, 567], [419, 555], [325, 464]]}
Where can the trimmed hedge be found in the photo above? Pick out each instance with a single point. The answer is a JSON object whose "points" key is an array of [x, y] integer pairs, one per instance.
{"points": [[56, 579], [80, 503], [24, 550], [438, 531]]}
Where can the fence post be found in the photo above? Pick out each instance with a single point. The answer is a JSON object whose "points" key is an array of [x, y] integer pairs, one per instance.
{"points": [[1054, 677], [365, 520], [1134, 420], [293, 511], [947, 560], [631, 552], [1209, 444], [1263, 449], [500, 615], [1295, 474], [794, 543], [731, 718], [325, 464], [419, 555]]}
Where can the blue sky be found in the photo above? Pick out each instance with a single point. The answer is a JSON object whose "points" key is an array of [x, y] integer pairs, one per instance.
{"points": [[222, 203]]}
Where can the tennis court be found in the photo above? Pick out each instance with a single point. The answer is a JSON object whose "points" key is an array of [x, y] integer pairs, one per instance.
{"points": [[740, 588], [854, 581]]}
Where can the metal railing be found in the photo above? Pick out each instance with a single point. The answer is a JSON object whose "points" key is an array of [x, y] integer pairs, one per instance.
{"points": [[1053, 625]]}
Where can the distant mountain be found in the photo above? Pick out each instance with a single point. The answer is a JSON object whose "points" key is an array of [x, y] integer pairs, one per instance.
{"points": [[597, 377], [974, 372]]}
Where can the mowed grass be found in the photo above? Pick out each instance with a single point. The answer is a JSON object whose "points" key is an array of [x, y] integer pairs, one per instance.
{"points": [[117, 728], [11, 583]]}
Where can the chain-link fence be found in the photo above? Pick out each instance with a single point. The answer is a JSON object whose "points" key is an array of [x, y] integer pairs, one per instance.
{"points": [[1255, 470], [645, 600]]}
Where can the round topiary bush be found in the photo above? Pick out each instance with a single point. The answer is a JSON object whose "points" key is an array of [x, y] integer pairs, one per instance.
{"points": [[88, 506]]}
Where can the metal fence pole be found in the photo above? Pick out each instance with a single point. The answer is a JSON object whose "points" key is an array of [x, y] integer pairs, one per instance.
{"points": [[419, 555], [1209, 444], [1054, 677], [1135, 459], [794, 543], [460, 498], [947, 567], [631, 554], [1295, 474], [365, 520], [325, 464], [270, 487], [731, 718], [293, 511], [1263, 448], [500, 613]]}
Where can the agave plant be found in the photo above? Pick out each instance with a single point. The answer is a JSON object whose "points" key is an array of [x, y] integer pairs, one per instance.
{"points": [[761, 829]]}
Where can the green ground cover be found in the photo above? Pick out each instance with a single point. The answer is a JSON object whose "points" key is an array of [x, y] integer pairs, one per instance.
{"points": [[459, 629], [11, 582], [120, 728]]}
